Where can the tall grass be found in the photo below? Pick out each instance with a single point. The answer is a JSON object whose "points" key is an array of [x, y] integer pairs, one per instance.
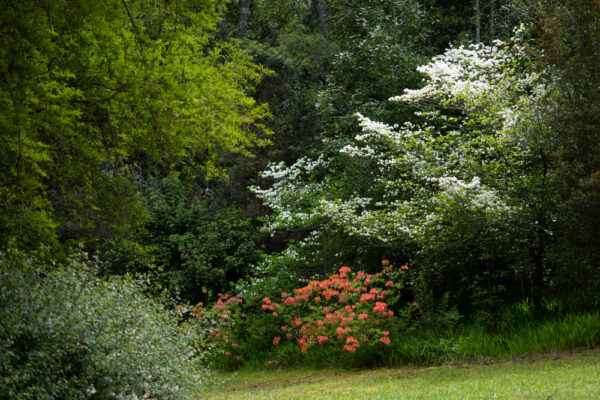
{"points": [[564, 332], [568, 332], [469, 343]]}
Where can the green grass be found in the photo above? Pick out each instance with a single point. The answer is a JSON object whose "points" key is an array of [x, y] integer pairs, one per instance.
{"points": [[467, 343], [553, 377]]}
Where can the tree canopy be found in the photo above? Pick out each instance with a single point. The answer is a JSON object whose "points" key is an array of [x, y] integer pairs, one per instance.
{"points": [[98, 95]]}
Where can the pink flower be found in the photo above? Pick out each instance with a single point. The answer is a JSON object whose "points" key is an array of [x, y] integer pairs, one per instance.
{"points": [[389, 283], [289, 301], [227, 353], [239, 358], [283, 327], [351, 348], [404, 267], [276, 340], [385, 340], [366, 297], [380, 307], [234, 344], [266, 300], [344, 270], [274, 313]]}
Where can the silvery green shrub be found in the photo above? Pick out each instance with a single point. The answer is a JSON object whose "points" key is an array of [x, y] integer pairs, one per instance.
{"points": [[67, 334]]}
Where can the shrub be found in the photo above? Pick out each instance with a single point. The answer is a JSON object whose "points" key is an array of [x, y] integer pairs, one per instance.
{"points": [[194, 245], [65, 333], [218, 329], [345, 311]]}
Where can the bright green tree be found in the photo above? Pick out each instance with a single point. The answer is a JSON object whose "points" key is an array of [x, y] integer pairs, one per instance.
{"points": [[96, 95]]}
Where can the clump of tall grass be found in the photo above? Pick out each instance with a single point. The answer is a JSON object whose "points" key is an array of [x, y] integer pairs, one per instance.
{"points": [[469, 342]]}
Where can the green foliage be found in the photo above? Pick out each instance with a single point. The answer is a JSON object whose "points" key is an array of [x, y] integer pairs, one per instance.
{"points": [[299, 62], [420, 345], [381, 44], [97, 93], [64, 333], [221, 330], [194, 247], [484, 175], [569, 46]]}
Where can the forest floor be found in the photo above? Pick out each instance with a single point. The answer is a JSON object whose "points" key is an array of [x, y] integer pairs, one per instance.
{"points": [[547, 377]]}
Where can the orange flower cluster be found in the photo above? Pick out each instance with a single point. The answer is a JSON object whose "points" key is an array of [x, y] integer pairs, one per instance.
{"points": [[348, 308]]}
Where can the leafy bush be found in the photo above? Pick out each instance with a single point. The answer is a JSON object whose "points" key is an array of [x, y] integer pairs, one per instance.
{"points": [[194, 246], [219, 329], [64, 333], [343, 309]]}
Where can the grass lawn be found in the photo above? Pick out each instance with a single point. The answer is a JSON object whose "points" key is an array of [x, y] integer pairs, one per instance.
{"points": [[550, 377]]}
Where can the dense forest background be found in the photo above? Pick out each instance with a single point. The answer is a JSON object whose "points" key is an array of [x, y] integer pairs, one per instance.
{"points": [[251, 147]]}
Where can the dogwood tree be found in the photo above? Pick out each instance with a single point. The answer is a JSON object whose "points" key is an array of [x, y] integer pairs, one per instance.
{"points": [[466, 176]]}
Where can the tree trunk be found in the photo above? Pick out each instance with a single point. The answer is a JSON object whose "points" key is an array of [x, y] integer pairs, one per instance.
{"points": [[538, 272], [321, 6], [244, 15], [540, 251], [492, 16], [224, 33], [477, 23]]}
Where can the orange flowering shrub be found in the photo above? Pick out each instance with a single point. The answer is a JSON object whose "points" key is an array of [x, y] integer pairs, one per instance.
{"points": [[218, 325], [346, 309]]}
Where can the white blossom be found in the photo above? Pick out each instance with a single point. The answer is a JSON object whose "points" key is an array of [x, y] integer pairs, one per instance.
{"points": [[428, 169]]}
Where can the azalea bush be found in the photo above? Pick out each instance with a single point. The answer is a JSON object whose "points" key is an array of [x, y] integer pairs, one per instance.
{"points": [[347, 310], [218, 327]]}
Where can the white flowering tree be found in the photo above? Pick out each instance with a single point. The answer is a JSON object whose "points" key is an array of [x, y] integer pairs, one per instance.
{"points": [[464, 182], [461, 155]]}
